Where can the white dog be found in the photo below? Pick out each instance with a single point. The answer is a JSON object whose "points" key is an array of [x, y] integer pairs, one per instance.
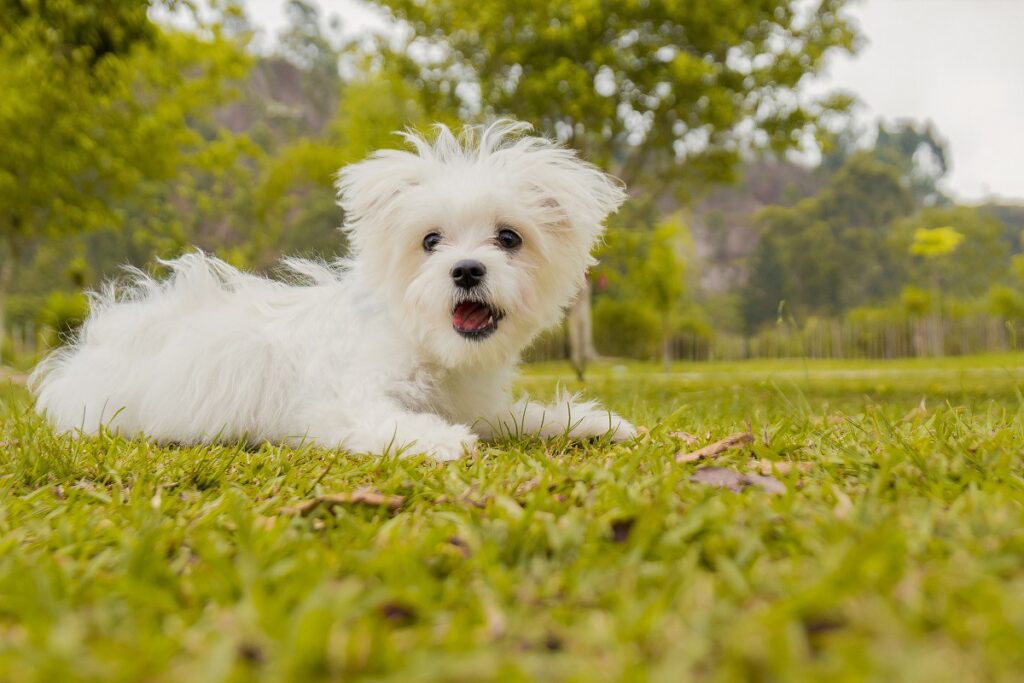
{"points": [[460, 254]]}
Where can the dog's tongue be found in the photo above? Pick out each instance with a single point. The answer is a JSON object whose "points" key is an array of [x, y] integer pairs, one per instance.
{"points": [[471, 315]]}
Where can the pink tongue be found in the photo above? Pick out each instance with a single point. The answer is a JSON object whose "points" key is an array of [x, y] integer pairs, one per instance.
{"points": [[471, 316]]}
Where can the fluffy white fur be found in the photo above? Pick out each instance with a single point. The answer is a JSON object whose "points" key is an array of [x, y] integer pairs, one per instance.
{"points": [[361, 355]]}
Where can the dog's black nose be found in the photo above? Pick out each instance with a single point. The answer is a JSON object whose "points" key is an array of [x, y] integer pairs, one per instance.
{"points": [[468, 273]]}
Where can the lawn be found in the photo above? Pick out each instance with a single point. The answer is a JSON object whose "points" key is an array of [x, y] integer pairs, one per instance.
{"points": [[895, 552]]}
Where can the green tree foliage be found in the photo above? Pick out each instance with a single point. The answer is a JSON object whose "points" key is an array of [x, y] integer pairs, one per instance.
{"points": [[767, 285], [916, 150], [929, 256], [832, 248], [295, 199], [304, 43], [935, 242], [921, 155], [654, 91], [644, 275], [96, 103]]}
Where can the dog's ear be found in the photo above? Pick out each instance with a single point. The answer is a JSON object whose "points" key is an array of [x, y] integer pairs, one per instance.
{"points": [[572, 196], [367, 190]]}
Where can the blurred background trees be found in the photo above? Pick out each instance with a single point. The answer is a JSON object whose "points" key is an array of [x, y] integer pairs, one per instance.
{"points": [[126, 136]]}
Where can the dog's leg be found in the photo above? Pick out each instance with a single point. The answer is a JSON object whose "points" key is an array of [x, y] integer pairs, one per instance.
{"points": [[566, 416], [384, 428]]}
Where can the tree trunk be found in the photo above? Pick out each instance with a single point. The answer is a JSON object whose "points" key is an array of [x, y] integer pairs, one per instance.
{"points": [[581, 333], [666, 352]]}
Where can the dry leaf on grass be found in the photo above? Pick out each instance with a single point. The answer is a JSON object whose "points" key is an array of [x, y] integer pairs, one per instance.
{"points": [[686, 437], [641, 432], [723, 477], [398, 613], [783, 467], [844, 506], [369, 497], [460, 545], [713, 449], [621, 529], [464, 499], [921, 411]]}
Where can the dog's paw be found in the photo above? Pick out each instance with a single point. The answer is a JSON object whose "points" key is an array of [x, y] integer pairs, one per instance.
{"points": [[450, 443], [600, 424], [623, 430]]}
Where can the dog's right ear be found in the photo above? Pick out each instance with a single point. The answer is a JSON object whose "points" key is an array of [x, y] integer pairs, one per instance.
{"points": [[367, 190]]}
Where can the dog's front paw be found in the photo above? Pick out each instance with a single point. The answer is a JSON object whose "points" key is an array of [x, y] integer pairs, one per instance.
{"points": [[622, 430], [599, 424], [443, 445]]}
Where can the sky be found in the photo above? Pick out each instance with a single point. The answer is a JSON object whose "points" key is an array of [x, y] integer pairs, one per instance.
{"points": [[957, 63]]}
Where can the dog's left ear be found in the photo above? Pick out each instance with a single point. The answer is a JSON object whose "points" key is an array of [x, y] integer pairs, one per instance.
{"points": [[572, 195], [367, 191]]}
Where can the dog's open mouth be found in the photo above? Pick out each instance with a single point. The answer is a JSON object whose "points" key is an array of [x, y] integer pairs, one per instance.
{"points": [[475, 319]]}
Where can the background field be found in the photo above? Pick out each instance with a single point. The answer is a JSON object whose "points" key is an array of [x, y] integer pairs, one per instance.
{"points": [[894, 554]]}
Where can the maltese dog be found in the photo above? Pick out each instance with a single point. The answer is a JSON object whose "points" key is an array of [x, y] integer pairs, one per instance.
{"points": [[460, 252]]}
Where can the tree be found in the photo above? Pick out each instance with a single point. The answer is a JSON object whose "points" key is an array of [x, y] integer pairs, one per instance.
{"points": [[304, 44], [767, 286], [299, 177], [833, 246], [960, 250], [916, 150], [94, 103], [667, 96], [644, 270], [920, 154]]}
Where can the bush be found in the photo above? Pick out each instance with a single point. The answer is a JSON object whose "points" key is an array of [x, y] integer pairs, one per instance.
{"points": [[624, 328], [62, 314]]}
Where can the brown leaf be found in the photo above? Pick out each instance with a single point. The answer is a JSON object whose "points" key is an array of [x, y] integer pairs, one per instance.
{"points": [[723, 477], [464, 499], [552, 642], [686, 437], [250, 653], [783, 467], [919, 412], [711, 450], [621, 529], [462, 546], [363, 496], [398, 613], [765, 483], [844, 506], [526, 487]]}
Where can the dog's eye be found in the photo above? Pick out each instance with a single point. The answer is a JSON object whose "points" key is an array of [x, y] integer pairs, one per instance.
{"points": [[431, 241], [509, 239]]}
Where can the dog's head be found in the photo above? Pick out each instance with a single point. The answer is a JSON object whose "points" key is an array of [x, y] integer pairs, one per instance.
{"points": [[478, 241]]}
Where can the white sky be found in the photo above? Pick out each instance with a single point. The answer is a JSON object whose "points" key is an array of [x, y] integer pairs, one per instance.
{"points": [[958, 63]]}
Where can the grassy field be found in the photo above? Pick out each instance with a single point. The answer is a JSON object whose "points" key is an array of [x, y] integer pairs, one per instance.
{"points": [[896, 551]]}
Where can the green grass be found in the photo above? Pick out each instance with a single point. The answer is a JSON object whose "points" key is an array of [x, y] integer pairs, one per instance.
{"points": [[897, 555]]}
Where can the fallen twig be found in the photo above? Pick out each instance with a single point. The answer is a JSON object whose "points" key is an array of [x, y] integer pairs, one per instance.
{"points": [[713, 449]]}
